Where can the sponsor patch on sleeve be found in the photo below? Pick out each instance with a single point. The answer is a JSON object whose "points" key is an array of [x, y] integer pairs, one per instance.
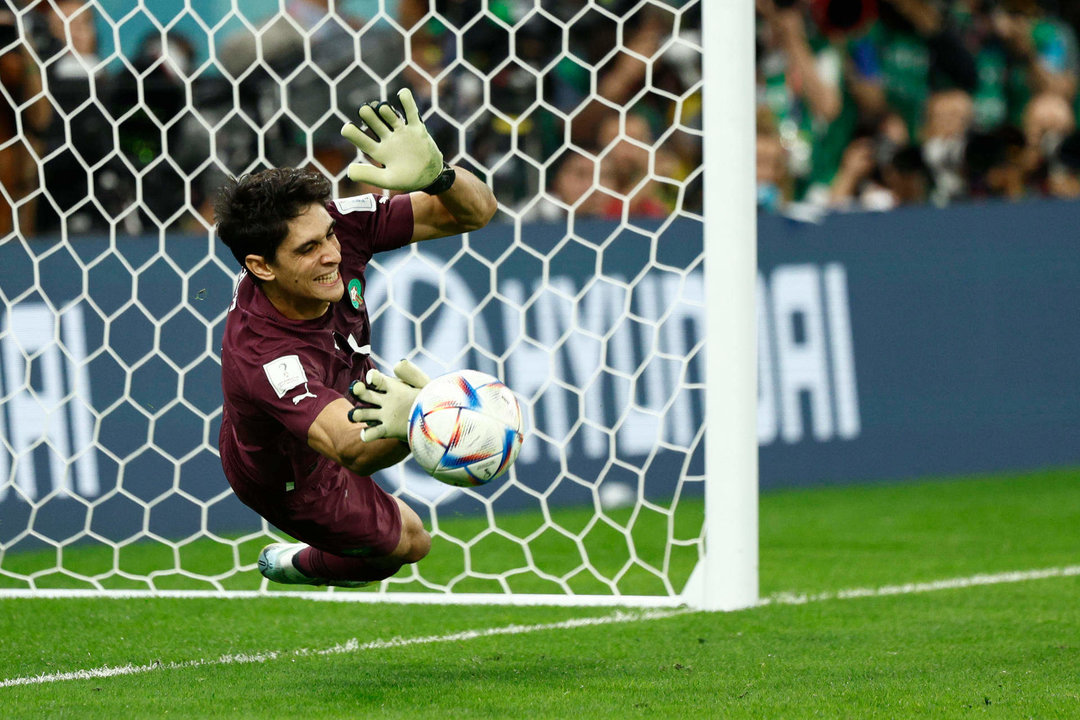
{"points": [[360, 203], [285, 373]]}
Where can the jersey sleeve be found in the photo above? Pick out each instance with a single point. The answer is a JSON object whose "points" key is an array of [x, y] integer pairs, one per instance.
{"points": [[367, 224], [287, 388]]}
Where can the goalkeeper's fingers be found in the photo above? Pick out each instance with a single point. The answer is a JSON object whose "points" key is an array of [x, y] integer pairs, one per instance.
{"points": [[359, 138], [410, 374], [371, 416], [374, 432], [390, 116], [374, 121], [412, 115], [372, 391], [365, 173]]}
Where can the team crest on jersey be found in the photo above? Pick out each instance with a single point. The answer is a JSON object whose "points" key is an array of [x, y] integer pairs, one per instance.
{"points": [[356, 293]]}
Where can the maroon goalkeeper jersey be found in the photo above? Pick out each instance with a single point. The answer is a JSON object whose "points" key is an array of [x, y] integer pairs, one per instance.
{"points": [[278, 374]]}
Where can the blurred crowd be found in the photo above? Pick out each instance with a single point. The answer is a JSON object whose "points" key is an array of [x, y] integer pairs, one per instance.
{"points": [[861, 104], [610, 129], [143, 142], [875, 104], [80, 141]]}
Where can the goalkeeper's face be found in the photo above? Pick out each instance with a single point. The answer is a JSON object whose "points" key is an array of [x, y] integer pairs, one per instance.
{"points": [[305, 268]]}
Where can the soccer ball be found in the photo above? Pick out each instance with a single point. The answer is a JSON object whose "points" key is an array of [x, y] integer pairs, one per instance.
{"points": [[465, 428]]}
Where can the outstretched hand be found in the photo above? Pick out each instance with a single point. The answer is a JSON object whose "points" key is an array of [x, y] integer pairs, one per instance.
{"points": [[409, 157], [390, 398]]}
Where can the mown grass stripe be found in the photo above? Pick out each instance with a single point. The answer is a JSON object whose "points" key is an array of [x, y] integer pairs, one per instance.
{"points": [[351, 646], [620, 616]]}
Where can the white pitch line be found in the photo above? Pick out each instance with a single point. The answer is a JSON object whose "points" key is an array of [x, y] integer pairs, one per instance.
{"points": [[620, 616], [1016, 576], [351, 646]]}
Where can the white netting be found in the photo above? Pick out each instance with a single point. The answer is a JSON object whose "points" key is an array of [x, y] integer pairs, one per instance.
{"points": [[585, 294]]}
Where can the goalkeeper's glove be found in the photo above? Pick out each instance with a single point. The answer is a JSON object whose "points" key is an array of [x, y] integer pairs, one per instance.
{"points": [[391, 398], [410, 159]]}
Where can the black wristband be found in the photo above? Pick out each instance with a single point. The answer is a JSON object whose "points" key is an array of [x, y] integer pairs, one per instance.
{"points": [[443, 182]]}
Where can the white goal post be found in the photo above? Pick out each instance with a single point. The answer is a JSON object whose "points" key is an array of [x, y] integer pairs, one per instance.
{"points": [[730, 562], [614, 291]]}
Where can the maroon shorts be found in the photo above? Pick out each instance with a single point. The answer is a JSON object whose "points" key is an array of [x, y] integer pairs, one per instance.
{"points": [[340, 512], [332, 509]]}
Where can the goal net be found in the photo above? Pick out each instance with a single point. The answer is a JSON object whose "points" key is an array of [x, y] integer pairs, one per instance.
{"points": [[586, 294]]}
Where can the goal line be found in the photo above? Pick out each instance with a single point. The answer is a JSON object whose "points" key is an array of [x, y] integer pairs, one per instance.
{"points": [[658, 602]]}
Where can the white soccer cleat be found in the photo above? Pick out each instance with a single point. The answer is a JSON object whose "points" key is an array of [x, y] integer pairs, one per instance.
{"points": [[276, 565]]}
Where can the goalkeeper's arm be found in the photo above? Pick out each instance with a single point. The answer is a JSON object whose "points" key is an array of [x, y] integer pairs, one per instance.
{"points": [[445, 200], [468, 205]]}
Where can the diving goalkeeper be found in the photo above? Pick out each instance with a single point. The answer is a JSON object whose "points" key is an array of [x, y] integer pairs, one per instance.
{"points": [[297, 336]]}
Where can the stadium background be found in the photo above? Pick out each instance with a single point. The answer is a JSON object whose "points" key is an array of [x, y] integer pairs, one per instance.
{"points": [[932, 339], [921, 343], [937, 337]]}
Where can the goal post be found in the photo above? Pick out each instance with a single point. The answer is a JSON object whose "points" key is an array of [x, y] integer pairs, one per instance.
{"points": [[613, 292], [729, 567]]}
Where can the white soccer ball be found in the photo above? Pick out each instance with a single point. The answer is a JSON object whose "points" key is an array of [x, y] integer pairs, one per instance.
{"points": [[465, 428]]}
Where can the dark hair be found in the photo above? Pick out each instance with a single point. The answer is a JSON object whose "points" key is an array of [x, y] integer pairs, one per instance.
{"points": [[1068, 153], [253, 211], [909, 159], [987, 150], [843, 16]]}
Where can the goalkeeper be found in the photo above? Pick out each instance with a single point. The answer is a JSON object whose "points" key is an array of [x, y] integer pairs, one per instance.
{"points": [[297, 335]]}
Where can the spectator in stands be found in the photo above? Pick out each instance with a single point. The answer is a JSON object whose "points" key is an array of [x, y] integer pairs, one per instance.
{"points": [[81, 131], [157, 93], [21, 79], [908, 54], [623, 77], [424, 50], [907, 178], [773, 179], [1019, 52], [626, 147], [281, 41], [575, 182], [572, 189], [800, 82], [1044, 48], [1063, 178], [881, 170], [308, 29], [645, 91], [504, 137], [949, 116], [504, 128], [855, 182], [945, 73], [995, 165], [1049, 119]]}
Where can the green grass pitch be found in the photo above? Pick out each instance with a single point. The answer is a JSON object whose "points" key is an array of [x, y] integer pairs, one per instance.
{"points": [[996, 649]]}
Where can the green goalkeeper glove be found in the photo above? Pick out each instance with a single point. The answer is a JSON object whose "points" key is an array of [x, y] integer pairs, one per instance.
{"points": [[410, 159], [392, 398]]}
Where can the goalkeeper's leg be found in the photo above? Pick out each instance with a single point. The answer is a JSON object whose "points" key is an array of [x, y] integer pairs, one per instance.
{"points": [[298, 563], [414, 544]]}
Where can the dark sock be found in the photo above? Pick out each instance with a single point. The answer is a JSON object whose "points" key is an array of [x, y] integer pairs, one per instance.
{"points": [[326, 566]]}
